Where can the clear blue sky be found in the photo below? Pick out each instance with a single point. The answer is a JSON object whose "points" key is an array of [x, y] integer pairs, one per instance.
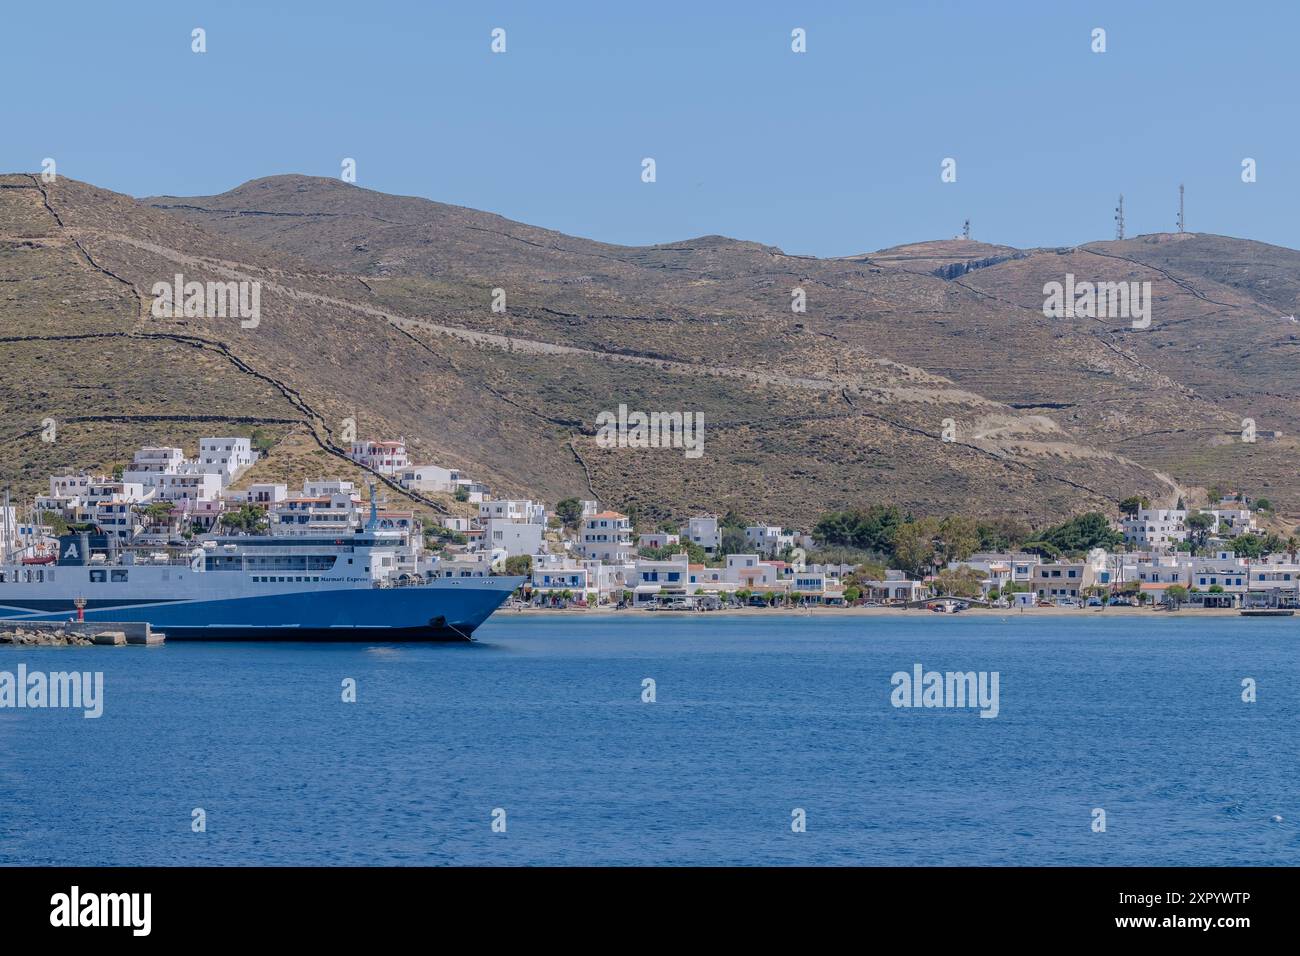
{"points": [[831, 152]]}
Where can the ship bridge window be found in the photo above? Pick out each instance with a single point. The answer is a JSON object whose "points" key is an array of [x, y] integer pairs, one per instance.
{"points": [[98, 577], [117, 577]]}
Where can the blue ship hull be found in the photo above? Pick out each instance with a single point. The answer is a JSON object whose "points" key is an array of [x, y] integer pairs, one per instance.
{"points": [[444, 611]]}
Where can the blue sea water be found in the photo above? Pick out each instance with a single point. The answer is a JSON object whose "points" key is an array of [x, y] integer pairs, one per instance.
{"points": [[756, 715]]}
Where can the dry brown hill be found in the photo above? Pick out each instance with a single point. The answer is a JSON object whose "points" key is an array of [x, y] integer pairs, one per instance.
{"points": [[378, 307]]}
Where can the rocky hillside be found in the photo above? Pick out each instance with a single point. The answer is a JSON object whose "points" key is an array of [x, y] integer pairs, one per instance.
{"points": [[378, 308]]}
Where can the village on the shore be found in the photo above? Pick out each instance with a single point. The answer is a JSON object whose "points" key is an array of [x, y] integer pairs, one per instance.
{"points": [[578, 554]]}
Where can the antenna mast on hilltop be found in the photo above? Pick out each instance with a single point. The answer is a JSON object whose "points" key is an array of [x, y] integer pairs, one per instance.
{"points": [[965, 229], [1181, 222], [1119, 218]]}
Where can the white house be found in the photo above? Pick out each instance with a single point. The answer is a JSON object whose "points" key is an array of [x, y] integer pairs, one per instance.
{"points": [[226, 457], [384, 457], [150, 462], [68, 487], [607, 536], [1220, 581], [265, 493], [703, 530], [657, 540], [1231, 519], [895, 586], [749, 571], [810, 584], [768, 539], [429, 478], [575, 578], [653, 580], [474, 564], [1278, 575], [516, 537], [318, 487], [1020, 566], [337, 513], [188, 486], [512, 509], [1159, 529]]}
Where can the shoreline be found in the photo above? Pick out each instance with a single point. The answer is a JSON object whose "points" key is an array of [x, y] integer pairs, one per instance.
{"points": [[1126, 612]]}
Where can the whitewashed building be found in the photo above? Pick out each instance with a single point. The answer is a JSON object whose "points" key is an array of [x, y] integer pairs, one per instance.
{"points": [[226, 457], [703, 530], [1159, 529], [515, 537], [607, 536], [150, 462], [657, 540], [314, 514], [384, 457], [188, 486], [512, 509], [768, 539]]}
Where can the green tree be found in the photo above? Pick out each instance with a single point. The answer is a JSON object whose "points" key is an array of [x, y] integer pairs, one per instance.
{"points": [[55, 522], [732, 542], [1002, 534], [246, 519], [1175, 595], [959, 582], [867, 571], [871, 529], [959, 537], [918, 545], [694, 552], [261, 441], [1082, 533], [569, 511], [519, 564], [1199, 525], [1256, 546], [1131, 505], [158, 512]]}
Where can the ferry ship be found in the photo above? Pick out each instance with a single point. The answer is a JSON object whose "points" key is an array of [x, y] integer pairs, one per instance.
{"points": [[324, 587]]}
